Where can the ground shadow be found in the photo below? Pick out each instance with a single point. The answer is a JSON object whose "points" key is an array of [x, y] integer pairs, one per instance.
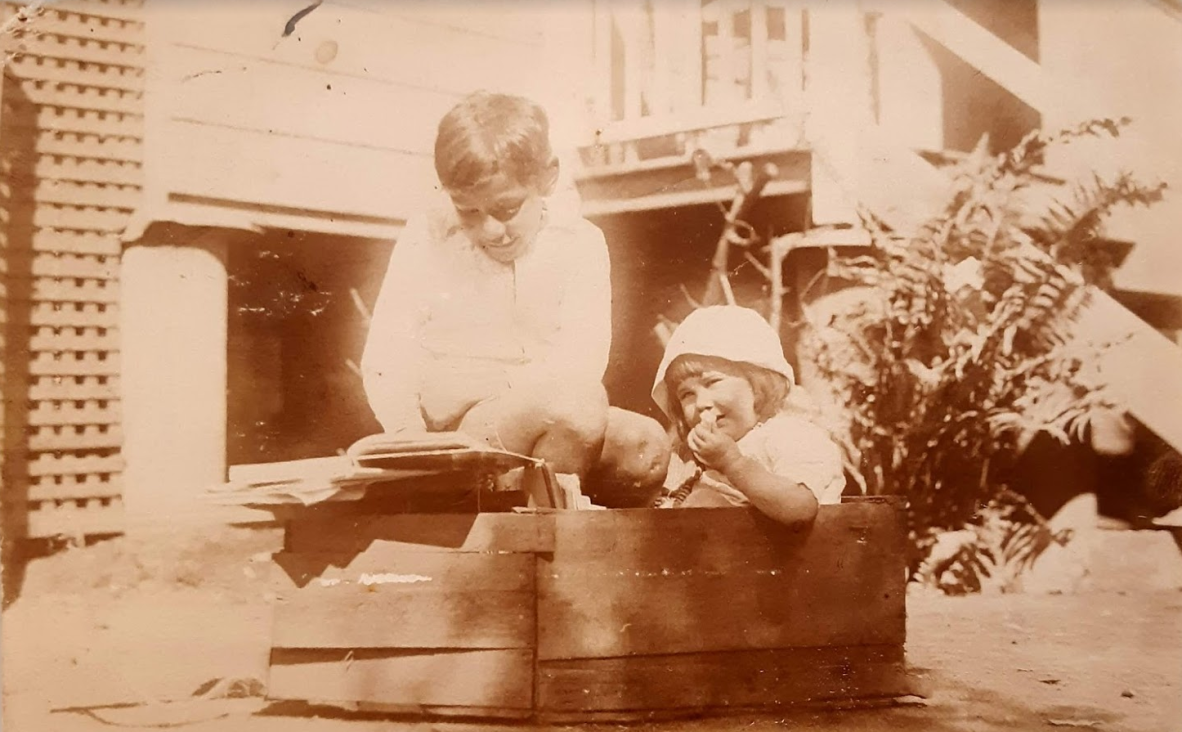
{"points": [[18, 130]]}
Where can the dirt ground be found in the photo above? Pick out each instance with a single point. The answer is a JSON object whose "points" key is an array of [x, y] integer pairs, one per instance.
{"points": [[157, 621]]}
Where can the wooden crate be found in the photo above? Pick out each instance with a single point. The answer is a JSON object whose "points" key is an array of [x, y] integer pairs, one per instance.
{"points": [[589, 615]]}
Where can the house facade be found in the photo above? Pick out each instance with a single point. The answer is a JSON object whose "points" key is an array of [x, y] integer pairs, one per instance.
{"points": [[251, 167]]}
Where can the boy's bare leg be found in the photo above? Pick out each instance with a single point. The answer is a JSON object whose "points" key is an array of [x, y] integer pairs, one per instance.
{"points": [[561, 424]]}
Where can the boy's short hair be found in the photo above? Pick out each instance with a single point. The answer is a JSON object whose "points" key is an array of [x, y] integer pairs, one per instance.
{"points": [[488, 133], [770, 388]]}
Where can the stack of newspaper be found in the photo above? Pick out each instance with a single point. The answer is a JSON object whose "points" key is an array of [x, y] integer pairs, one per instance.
{"points": [[377, 458]]}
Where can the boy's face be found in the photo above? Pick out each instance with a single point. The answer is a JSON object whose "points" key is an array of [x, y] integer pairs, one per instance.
{"points": [[501, 216], [723, 397]]}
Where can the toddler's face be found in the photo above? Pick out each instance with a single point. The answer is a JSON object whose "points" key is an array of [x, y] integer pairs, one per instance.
{"points": [[502, 217], [726, 399]]}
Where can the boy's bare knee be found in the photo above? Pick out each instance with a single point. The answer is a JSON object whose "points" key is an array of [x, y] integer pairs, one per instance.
{"points": [[576, 410]]}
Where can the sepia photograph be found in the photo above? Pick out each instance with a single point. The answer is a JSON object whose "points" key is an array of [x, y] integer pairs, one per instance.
{"points": [[656, 365]]}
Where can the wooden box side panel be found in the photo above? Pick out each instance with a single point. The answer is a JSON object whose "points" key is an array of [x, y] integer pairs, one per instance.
{"points": [[386, 598], [433, 631], [481, 682], [634, 583]]}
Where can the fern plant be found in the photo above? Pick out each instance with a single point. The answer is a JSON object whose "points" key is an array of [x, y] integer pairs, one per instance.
{"points": [[962, 347], [993, 552]]}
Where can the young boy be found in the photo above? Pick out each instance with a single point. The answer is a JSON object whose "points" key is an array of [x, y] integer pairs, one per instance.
{"points": [[494, 318]]}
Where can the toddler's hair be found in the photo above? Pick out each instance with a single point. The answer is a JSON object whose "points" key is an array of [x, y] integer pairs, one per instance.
{"points": [[486, 134], [770, 388]]}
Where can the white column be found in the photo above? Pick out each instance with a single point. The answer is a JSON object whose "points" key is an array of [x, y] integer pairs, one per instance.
{"points": [[910, 91], [838, 103], [173, 327]]}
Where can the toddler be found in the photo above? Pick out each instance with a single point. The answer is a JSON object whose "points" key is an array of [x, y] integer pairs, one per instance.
{"points": [[724, 382]]}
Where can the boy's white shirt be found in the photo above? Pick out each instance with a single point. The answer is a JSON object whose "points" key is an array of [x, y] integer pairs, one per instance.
{"points": [[447, 312]]}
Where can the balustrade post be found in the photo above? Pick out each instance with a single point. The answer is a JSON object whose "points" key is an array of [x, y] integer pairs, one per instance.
{"points": [[838, 97]]}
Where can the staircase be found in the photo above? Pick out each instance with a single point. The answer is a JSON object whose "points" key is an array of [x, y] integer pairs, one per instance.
{"points": [[765, 90]]}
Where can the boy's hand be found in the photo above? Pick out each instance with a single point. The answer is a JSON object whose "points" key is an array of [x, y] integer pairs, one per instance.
{"points": [[713, 448]]}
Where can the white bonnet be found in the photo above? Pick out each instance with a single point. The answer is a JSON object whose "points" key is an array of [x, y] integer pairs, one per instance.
{"points": [[723, 331]]}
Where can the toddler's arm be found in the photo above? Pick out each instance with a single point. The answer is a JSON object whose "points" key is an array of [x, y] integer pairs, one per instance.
{"points": [[780, 497], [784, 498]]}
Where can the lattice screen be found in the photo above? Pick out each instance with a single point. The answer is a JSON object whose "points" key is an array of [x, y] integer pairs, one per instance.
{"points": [[70, 150]]}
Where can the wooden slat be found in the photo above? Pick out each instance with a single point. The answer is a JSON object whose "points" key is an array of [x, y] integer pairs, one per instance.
{"points": [[25, 66], [635, 583], [48, 289], [462, 22], [72, 520], [758, 50], [626, 18], [792, 66], [70, 264], [1141, 366], [726, 72], [426, 710], [82, 97], [85, 122], [703, 118], [79, 219], [82, 49], [88, 147], [51, 464], [70, 415], [74, 487], [492, 679], [661, 87], [668, 174], [90, 27], [91, 315], [987, 53], [276, 99], [483, 532], [427, 572], [292, 172], [51, 167], [74, 387], [679, 199], [74, 339], [76, 242], [129, 11], [75, 521], [68, 365], [79, 194], [603, 60], [385, 599], [694, 95], [361, 46], [711, 682], [91, 437], [670, 182], [203, 210]]}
